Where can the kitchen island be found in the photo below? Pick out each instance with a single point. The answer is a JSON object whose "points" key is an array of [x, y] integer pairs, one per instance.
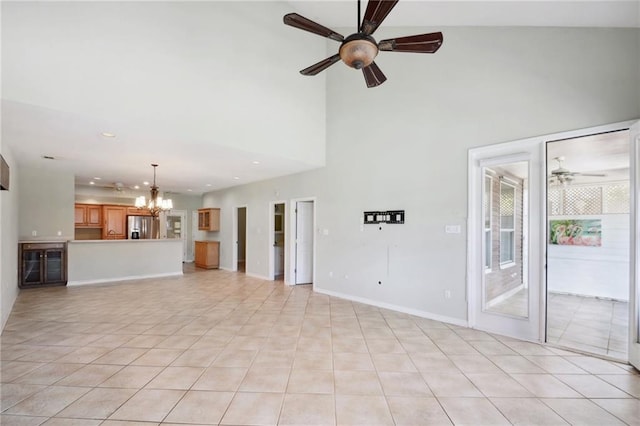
{"points": [[100, 261]]}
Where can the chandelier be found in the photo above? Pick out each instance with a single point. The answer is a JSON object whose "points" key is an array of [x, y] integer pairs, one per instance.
{"points": [[156, 204]]}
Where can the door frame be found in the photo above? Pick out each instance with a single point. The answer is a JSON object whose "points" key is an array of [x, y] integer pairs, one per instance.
{"points": [[474, 240], [289, 270], [234, 229], [634, 272], [272, 240], [183, 235]]}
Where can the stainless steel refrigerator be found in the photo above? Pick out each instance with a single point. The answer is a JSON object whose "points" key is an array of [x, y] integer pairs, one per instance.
{"points": [[141, 227]]}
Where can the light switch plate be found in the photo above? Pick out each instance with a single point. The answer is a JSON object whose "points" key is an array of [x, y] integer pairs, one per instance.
{"points": [[452, 229]]}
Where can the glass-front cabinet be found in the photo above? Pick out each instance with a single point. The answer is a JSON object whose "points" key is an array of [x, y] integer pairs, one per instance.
{"points": [[42, 264]]}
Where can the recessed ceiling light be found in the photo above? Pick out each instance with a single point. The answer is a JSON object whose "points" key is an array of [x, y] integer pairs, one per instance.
{"points": [[108, 135], [136, 187], [97, 178], [208, 184], [145, 183], [189, 190], [236, 177], [255, 162], [92, 183]]}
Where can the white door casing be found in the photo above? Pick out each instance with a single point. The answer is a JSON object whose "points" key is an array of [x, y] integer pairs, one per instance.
{"points": [[634, 275]]}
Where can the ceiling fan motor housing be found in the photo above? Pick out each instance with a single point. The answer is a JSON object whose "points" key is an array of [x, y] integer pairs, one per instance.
{"points": [[358, 50]]}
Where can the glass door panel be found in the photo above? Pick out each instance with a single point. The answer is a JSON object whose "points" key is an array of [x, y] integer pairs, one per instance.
{"points": [[54, 266], [505, 290], [174, 226], [31, 264]]}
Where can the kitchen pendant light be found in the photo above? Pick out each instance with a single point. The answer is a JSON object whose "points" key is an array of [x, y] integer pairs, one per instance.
{"points": [[156, 204]]}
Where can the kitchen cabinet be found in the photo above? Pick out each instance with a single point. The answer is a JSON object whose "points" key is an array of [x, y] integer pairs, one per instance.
{"points": [[114, 222], [88, 216], [209, 219], [207, 254], [42, 264], [134, 211]]}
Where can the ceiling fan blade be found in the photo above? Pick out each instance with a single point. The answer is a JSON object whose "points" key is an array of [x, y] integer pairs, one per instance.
{"points": [[373, 76], [376, 11], [321, 66], [300, 22], [423, 43]]}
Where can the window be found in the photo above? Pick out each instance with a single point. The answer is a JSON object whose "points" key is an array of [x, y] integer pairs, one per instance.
{"points": [[487, 201], [507, 223]]}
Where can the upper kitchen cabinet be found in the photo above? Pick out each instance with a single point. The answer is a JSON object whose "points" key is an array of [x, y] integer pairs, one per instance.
{"points": [[134, 211], [209, 219], [88, 216], [114, 222]]}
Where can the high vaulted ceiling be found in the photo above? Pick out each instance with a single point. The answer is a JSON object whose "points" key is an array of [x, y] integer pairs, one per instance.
{"points": [[205, 89]]}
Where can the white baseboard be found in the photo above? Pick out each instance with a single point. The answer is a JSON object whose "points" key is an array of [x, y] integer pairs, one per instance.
{"points": [[398, 308], [118, 279], [262, 277]]}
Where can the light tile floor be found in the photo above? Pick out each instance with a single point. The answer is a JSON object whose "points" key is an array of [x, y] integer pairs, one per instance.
{"points": [[589, 324], [215, 347]]}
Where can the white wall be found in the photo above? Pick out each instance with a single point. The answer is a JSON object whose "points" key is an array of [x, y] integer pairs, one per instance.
{"points": [[593, 271], [9, 238], [404, 145], [46, 203]]}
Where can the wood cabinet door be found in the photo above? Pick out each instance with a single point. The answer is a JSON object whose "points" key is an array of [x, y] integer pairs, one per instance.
{"points": [[94, 216], [114, 222], [209, 219], [80, 215]]}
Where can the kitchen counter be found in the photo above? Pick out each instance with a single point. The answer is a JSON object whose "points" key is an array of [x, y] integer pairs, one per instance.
{"points": [[100, 261], [121, 241]]}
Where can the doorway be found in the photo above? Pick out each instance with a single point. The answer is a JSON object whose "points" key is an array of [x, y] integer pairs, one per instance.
{"points": [[551, 192], [303, 242], [588, 243], [279, 241], [176, 228], [241, 239]]}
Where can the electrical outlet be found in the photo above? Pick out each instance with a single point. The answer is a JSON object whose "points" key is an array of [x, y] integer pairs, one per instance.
{"points": [[447, 294], [34, 233]]}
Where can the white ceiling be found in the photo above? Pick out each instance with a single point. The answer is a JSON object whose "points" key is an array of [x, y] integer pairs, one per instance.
{"points": [[427, 13], [59, 121]]}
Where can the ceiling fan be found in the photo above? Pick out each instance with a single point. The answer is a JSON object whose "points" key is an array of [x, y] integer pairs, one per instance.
{"points": [[565, 176], [360, 49]]}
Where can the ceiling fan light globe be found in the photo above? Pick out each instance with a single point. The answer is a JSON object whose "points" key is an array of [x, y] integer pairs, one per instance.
{"points": [[358, 52]]}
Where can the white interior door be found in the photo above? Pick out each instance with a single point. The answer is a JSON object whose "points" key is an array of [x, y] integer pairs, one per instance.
{"points": [[505, 260], [634, 293], [304, 243]]}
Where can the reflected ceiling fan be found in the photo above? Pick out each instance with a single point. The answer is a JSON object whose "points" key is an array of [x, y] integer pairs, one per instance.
{"points": [[360, 49], [565, 176]]}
